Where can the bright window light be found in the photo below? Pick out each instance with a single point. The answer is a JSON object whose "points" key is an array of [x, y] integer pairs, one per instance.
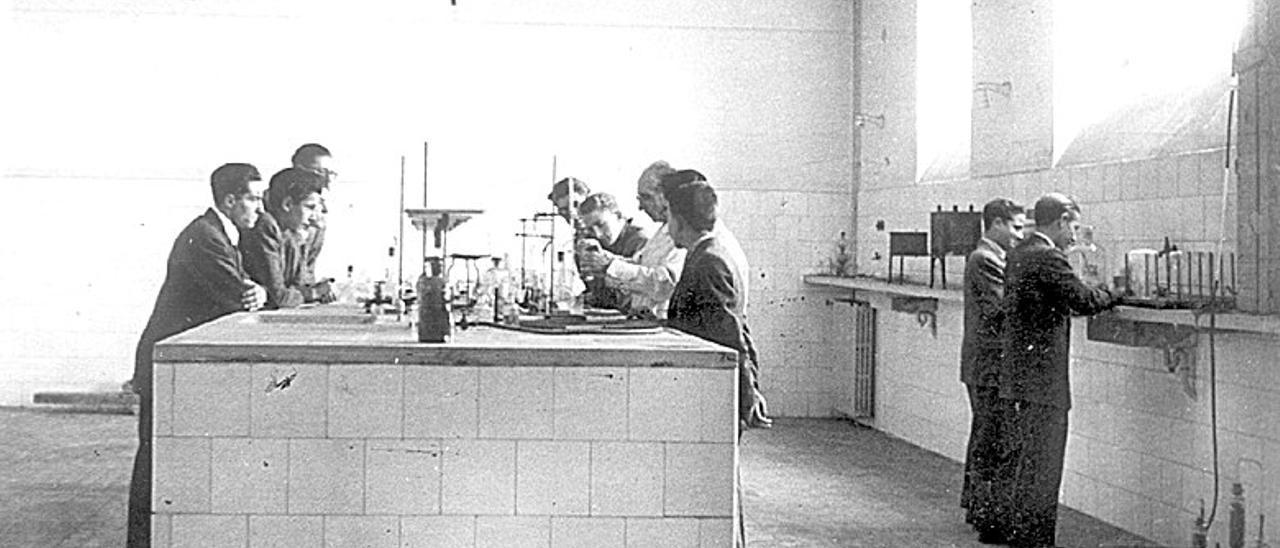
{"points": [[944, 74], [1109, 54]]}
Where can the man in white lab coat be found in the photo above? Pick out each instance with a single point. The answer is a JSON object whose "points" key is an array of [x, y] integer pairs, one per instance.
{"points": [[649, 276]]}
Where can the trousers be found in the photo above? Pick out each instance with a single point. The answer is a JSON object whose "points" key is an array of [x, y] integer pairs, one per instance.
{"points": [[1038, 443], [985, 459], [139, 520]]}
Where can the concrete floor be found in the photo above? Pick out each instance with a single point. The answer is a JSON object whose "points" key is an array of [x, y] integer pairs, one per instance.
{"points": [[64, 482]]}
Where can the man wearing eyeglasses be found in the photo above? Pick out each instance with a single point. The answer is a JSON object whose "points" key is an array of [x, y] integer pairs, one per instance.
{"points": [[317, 159]]}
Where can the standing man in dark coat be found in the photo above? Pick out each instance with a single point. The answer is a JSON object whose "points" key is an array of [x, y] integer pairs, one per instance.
{"points": [[204, 281], [1041, 294], [980, 355], [709, 300]]}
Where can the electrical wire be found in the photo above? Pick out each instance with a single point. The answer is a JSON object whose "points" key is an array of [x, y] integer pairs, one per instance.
{"points": [[1213, 413], [1215, 290]]}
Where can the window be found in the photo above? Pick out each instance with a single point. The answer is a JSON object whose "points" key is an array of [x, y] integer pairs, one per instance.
{"points": [[1137, 78], [944, 74]]}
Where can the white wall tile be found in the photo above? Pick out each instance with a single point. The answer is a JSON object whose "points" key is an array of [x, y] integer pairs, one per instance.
{"points": [[210, 531], [250, 476], [516, 402], [664, 405], [552, 477], [366, 401], [361, 532], [576, 532], [590, 403], [286, 532], [161, 528], [211, 399], [665, 532], [715, 533], [437, 532], [289, 400], [441, 402], [403, 477], [699, 479], [162, 399], [180, 475], [478, 477], [626, 479], [718, 405], [326, 476], [513, 532]]}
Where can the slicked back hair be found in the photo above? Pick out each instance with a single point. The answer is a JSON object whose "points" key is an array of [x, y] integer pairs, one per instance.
{"points": [[561, 188], [306, 154], [1000, 209], [677, 179], [292, 182], [599, 201], [695, 204], [232, 179], [1051, 206]]}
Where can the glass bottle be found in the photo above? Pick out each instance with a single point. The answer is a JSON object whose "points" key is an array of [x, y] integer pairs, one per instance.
{"points": [[435, 325]]}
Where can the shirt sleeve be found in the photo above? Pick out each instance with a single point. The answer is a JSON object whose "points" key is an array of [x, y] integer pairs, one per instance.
{"points": [[1082, 298], [656, 282]]}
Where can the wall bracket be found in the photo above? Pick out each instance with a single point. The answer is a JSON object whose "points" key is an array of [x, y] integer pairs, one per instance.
{"points": [[925, 309], [1177, 342]]}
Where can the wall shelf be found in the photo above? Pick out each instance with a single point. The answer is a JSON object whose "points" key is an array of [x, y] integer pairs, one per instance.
{"points": [[1266, 324], [877, 285], [1226, 321]]}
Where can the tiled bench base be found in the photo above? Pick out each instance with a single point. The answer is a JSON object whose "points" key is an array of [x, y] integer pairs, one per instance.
{"points": [[413, 455], [292, 531]]}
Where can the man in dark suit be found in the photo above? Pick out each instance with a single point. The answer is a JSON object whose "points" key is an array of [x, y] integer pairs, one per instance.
{"points": [[317, 159], [1041, 294], [204, 281], [709, 300], [274, 250], [980, 355]]}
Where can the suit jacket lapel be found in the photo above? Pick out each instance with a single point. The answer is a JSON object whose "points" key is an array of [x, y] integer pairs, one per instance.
{"points": [[211, 217]]}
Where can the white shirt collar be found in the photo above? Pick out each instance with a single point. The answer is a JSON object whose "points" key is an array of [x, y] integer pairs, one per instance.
{"points": [[1045, 238], [229, 227]]}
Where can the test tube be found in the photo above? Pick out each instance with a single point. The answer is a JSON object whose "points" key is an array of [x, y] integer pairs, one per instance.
{"points": [[1200, 274], [1213, 287], [1128, 275], [1146, 275], [1233, 272], [1179, 281]]}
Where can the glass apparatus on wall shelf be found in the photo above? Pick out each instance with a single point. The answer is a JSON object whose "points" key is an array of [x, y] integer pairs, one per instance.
{"points": [[1174, 278], [1089, 260]]}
